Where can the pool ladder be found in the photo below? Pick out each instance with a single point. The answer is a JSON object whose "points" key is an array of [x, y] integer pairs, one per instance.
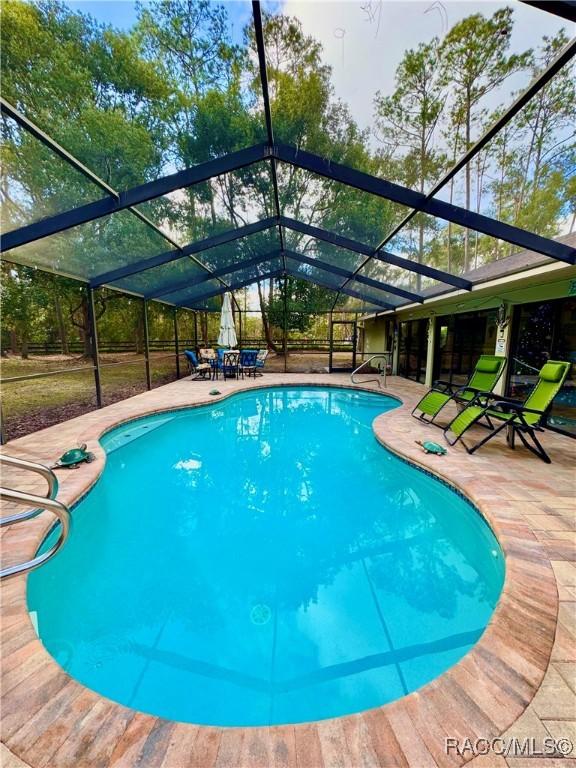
{"points": [[381, 370], [39, 504]]}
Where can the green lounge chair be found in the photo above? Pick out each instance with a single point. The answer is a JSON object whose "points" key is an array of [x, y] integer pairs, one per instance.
{"points": [[523, 419], [486, 373]]}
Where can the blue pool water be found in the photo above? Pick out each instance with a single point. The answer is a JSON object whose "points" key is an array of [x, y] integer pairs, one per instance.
{"points": [[264, 560]]}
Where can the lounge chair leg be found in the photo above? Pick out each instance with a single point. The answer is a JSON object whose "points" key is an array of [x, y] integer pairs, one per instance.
{"points": [[537, 448], [488, 437]]}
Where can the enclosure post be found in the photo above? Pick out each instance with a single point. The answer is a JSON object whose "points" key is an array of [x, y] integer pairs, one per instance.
{"points": [[195, 331], [147, 345], [330, 343], [94, 345], [176, 342], [285, 324], [2, 434]]}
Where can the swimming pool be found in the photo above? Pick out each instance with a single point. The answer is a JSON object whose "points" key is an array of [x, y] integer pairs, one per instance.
{"points": [[264, 560]]}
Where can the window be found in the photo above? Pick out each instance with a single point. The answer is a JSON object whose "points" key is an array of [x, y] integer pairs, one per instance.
{"points": [[545, 331]]}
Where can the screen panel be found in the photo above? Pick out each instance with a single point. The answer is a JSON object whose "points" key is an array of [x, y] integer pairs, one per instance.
{"points": [[328, 279], [94, 248], [319, 249], [35, 181], [383, 85], [223, 203], [336, 207], [525, 175], [134, 91], [252, 246], [446, 246], [397, 276], [159, 278]]}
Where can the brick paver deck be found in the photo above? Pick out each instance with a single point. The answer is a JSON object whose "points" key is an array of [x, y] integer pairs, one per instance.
{"points": [[518, 681]]}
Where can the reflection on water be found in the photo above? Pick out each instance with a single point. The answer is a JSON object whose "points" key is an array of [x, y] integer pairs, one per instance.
{"points": [[265, 561]]}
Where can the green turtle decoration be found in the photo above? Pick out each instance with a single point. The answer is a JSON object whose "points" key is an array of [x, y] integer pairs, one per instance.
{"points": [[73, 458], [429, 447], [215, 392]]}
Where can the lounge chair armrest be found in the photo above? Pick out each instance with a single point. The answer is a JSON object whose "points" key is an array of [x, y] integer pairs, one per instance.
{"points": [[439, 385], [514, 405], [474, 390]]}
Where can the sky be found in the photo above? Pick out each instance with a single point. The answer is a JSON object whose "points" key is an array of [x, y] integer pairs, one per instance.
{"points": [[363, 40]]}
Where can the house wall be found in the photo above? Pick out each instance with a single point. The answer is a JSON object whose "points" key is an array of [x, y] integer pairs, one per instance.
{"points": [[540, 284]]}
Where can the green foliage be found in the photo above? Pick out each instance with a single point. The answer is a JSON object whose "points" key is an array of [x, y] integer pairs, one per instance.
{"points": [[176, 90]]}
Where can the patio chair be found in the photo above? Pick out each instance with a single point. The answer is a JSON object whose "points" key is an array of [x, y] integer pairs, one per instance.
{"points": [[230, 363], [486, 373], [522, 419], [206, 355], [260, 361], [202, 370], [248, 358]]}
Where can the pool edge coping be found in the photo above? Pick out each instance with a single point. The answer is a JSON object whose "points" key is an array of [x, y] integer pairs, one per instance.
{"points": [[521, 669]]}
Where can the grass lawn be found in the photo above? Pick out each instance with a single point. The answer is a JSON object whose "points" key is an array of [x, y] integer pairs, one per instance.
{"points": [[36, 403]]}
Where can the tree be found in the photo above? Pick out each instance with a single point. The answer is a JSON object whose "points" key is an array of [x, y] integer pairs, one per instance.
{"points": [[474, 63], [407, 122]]}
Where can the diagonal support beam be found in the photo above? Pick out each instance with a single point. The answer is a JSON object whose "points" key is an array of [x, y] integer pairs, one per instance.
{"points": [[236, 286], [438, 208], [193, 248], [381, 286], [259, 37], [228, 270], [565, 55], [57, 149], [384, 256], [566, 9], [347, 291], [134, 196]]}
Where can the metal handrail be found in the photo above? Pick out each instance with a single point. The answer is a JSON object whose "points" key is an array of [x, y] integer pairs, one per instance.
{"points": [[381, 375], [526, 365], [62, 513], [39, 469]]}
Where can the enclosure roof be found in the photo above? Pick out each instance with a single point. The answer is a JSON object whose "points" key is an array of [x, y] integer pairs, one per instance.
{"points": [[119, 239]]}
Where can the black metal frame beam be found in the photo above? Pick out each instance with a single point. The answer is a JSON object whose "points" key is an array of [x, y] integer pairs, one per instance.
{"points": [[564, 8], [295, 256], [53, 146], [259, 37], [135, 196], [384, 256], [348, 292], [380, 286], [242, 284], [438, 208], [228, 270], [565, 55], [187, 250]]}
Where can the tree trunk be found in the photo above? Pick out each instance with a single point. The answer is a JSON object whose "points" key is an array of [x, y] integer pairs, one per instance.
{"points": [[140, 334], [204, 328], [85, 331], [61, 325], [13, 342], [24, 345], [468, 182], [265, 325]]}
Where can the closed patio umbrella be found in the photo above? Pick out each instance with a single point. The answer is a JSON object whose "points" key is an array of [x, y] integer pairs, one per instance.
{"points": [[227, 337]]}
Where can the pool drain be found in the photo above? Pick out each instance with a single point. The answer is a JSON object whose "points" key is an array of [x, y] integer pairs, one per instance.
{"points": [[260, 614]]}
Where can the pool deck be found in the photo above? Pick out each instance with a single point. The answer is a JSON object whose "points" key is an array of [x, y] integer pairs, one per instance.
{"points": [[518, 681]]}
